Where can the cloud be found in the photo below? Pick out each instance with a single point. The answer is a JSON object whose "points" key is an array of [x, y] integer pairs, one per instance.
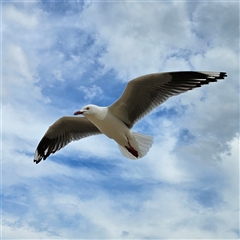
{"points": [[12, 14], [57, 56], [111, 214], [19, 75], [91, 92], [209, 26], [123, 31], [58, 75]]}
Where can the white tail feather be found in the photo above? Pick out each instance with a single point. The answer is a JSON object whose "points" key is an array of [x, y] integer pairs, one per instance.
{"points": [[141, 143]]}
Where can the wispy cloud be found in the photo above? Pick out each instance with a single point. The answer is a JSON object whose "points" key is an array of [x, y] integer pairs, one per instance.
{"points": [[59, 55], [91, 92]]}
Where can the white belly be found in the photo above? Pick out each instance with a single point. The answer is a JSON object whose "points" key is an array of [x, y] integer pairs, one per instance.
{"points": [[112, 127]]}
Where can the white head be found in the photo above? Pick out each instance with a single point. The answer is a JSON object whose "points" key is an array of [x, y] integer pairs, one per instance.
{"points": [[89, 109]]}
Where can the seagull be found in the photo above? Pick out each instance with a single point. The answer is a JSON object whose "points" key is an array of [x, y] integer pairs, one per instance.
{"points": [[140, 97]]}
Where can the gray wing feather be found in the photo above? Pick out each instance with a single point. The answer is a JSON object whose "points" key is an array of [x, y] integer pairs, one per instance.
{"points": [[144, 93], [62, 132]]}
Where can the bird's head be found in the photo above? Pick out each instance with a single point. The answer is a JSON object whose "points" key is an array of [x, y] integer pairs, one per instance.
{"points": [[87, 110]]}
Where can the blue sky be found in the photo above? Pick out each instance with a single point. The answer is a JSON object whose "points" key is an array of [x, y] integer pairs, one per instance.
{"points": [[59, 56]]}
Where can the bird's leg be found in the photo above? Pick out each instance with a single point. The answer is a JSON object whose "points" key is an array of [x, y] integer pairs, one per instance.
{"points": [[131, 149]]}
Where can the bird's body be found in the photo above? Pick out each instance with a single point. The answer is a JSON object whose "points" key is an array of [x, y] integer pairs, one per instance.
{"points": [[108, 124], [140, 97], [115, 129]]}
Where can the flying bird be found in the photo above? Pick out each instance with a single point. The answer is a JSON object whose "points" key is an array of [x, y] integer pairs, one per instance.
{"points": [[140, 96]]}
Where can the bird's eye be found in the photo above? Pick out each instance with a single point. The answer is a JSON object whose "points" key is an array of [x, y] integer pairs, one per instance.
{"points": [[87, 108]]}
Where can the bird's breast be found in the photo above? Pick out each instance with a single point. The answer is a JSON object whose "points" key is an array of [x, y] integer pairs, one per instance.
{"points": [[112, 127]]}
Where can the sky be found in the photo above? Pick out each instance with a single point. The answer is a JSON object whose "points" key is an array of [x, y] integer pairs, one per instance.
{"points": [[58, 56]]}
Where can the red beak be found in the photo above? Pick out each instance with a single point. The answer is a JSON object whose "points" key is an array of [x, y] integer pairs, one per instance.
{"points": [[78, 112]]}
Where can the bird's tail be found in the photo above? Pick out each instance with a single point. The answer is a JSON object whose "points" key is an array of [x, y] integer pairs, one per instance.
{"points": [[140, 146]]}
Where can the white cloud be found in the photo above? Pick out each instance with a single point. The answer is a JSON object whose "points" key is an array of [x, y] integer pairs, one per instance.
{"points": [[179, 190], [24, 232], [146, 43], [151, 45], [91, 92], [58, 75], [23, 19], [175, 64], [218, 57], [216, 25], [167, 211], [19, 75]]}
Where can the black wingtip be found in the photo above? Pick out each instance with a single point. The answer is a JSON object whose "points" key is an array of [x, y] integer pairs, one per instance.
{"points": [[222, 75], [40, 151], [37, 157], [37, 161], [214, 78]]}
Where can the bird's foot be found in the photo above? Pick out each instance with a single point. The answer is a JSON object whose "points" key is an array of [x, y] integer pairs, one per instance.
{"points": [[132, 150]]}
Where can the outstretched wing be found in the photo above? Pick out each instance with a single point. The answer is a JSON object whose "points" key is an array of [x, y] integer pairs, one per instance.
{"points": [[144, 93], [62, 132]]}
